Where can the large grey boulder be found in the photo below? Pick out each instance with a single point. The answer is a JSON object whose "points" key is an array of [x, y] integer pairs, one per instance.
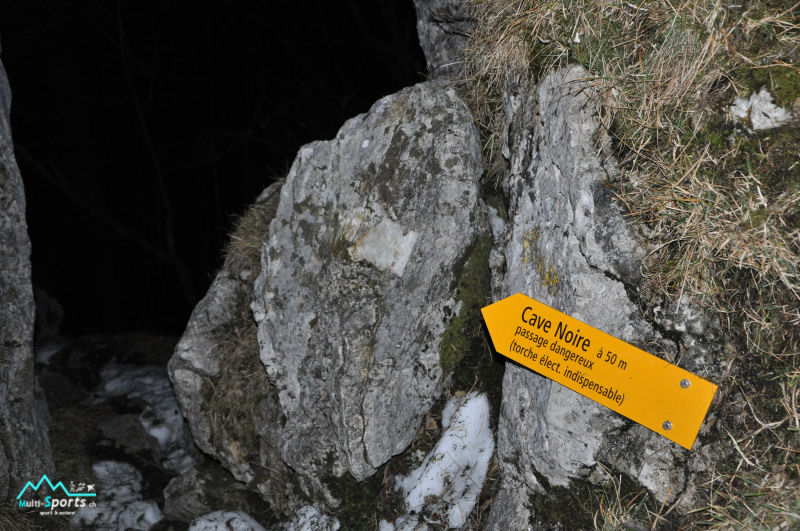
{"points": [[364, 247], [24, 443], [568, 246], [358, 282], [444, 27]]}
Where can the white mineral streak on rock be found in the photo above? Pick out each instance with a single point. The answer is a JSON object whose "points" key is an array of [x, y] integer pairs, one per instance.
{"points": [[496, 223], [387, 246]]}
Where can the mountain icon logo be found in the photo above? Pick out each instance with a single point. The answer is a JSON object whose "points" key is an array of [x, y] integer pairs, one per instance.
{"points": [[54, 488]]}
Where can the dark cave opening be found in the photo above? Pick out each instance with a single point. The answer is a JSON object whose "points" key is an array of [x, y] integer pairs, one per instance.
{"points": [[142, 128]]}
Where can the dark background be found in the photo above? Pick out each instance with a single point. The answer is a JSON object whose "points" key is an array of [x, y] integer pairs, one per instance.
{"points": [[142, 127]]}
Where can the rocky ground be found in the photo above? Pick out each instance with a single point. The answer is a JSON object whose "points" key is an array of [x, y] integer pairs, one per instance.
{"points": [[114, 422]]}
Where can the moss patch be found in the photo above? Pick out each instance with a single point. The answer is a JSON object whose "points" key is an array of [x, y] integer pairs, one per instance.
{"points": [[464, 331], [362, 504], [341, 249], [782, 82]]}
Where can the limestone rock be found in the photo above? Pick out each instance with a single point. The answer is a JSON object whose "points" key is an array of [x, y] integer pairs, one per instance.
{"points": [[24, 444], [443, 27], [567, 245], [222, 388], [206, 488], [185, 495], [356, 290]]}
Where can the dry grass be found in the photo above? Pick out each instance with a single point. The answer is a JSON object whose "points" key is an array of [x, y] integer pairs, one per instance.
{"points": [[660, 69], [618, 509], [242, 382], [14, 518], [717, 204], [240, 386], [243, 250]]}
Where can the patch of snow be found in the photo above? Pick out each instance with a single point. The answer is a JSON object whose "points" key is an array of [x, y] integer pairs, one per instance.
{"points": [[161, 416], [759, 109], [407, 522], [310, 518], [364, 144], [451, 477], [119, 500], [496, 223], [47, 350], [225, 521]]}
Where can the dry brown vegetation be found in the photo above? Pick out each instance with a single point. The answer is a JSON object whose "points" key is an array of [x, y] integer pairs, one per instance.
{"points": [[242, 380], [717, 204]]}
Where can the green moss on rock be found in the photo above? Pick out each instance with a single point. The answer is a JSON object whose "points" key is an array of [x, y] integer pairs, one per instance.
{"points": [[341, 249], [359, 500], [466, 348], [782, 82], [472, 291]]}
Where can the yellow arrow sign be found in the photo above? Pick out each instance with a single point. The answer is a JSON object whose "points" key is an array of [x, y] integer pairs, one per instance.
{"points": [[646, 389]]}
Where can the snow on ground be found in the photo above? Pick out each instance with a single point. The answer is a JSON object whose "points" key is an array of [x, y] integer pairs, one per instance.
{"points": [[309, 518], [119, 500], [47, 350], [450, 478], [161, 417], [496, 223], [225, 521], [759, 109]]}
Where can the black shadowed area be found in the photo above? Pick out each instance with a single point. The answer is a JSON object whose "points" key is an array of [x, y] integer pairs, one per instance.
{"points": [[141, 128]]}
